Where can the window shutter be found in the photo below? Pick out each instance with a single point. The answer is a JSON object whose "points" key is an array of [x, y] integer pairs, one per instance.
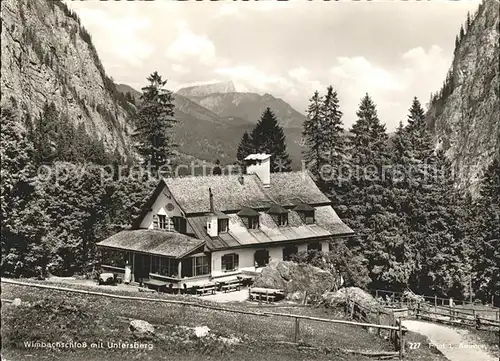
{"points": [[236, 261], [155, 221]]}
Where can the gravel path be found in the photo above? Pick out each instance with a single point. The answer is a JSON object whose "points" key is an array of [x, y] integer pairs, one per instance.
{"points": [[455, 344]]}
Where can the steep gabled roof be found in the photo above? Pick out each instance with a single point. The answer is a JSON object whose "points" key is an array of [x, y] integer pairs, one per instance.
{"points": [[247, 212], [191, 193], [277, 209], [287, 186], [303, 207]]}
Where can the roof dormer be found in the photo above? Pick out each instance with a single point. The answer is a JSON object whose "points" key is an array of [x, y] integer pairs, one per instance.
{"points": [[306, 213], [278, 214], [250, 217]]}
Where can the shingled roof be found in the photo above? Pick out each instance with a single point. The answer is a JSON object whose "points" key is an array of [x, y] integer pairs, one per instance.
{"points": [[230, 194], [328, 224], [159, 242], [287, 186]]}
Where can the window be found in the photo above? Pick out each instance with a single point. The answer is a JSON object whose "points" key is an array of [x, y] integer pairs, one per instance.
{"points": [[289, 251], [229, 262], [223, 225], [314, 247], [179, 224], [116, 258], [201, 266], [162, 221], [261, 258], [251, 222], [164, 266], [307, 216], [280, 219]]}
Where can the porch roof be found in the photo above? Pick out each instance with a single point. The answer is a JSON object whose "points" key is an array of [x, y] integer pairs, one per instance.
{"points": [[152, 241]]}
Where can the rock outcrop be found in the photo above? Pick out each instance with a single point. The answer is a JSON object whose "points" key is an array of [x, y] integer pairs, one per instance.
{"points": [[338, 298], [47, 56], [296, 279], [464, 114]]}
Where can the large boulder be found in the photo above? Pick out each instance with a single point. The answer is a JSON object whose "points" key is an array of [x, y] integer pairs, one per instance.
{"points": [[296, 279], [356, 294]]}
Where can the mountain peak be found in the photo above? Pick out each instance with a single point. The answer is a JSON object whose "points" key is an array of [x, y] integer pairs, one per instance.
{"points": [[206, 89]]}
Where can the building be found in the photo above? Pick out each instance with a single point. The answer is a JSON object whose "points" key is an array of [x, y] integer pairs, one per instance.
{"points": [[199, 228]]}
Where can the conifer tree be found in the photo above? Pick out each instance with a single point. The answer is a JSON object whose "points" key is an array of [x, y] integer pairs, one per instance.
{"points": [[468, 23], [312, 135], [217, 170], [368, 199], [244, 149], [268, 137], [333, 145], [154, 120], [487, 231]]}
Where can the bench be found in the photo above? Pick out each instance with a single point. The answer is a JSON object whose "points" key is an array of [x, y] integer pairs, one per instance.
{"points": [[231, 287], [202, 290], [155, 284], [267, 294], [143, 289]]}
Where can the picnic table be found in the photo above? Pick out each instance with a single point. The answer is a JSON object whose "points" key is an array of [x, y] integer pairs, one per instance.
{"points": [[229, 285], [267, 294], [205, 289]]}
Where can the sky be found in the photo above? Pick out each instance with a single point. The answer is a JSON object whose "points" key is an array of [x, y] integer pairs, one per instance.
{"points": [[393, 50]]}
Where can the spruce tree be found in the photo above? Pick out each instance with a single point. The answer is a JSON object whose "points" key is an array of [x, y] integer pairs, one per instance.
{"points": [[487, 230], [368, 200], [245, 148], [154, 120], [313, 137], [268, 137], [217, 170], [333, 145]]}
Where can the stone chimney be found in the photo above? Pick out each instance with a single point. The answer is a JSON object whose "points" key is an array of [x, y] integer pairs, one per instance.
{"points": [[260, 164], [212, 221]]}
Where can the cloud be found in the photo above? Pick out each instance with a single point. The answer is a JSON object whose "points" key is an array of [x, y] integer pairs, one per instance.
{"points": [[300, 74], [365, 75], [119, 36], [228, 9], [249, 77], [180, 69], [188, 45]]}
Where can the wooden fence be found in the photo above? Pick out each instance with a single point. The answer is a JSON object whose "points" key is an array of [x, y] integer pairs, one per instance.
{"points": [[396, 330], [377, 315], [455, 316], [396, 299]]}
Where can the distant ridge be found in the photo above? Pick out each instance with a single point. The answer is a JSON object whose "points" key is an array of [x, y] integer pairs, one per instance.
{"points": [[206, 89]]}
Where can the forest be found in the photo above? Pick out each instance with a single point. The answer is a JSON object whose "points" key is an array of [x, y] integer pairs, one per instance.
{"points": [[60, 194]]}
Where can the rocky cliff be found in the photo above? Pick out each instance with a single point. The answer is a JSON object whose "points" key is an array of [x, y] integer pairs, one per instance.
{"points": [[47, 56], [464, 114]]}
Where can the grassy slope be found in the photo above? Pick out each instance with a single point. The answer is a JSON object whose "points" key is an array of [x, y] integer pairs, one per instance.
{"points": [[93, 318]]}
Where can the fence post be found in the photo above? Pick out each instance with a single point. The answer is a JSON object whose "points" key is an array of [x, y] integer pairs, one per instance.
{"points": [[418, 311], [378, 322], [401, 340], [435, 303], [376, 295], [296, 333]]}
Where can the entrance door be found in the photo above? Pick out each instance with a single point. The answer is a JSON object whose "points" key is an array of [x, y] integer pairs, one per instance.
{"points": [[142, 267]]}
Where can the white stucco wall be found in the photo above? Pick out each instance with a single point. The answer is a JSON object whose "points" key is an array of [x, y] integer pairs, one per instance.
{"points": [[246, 257], [160, 207]]}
